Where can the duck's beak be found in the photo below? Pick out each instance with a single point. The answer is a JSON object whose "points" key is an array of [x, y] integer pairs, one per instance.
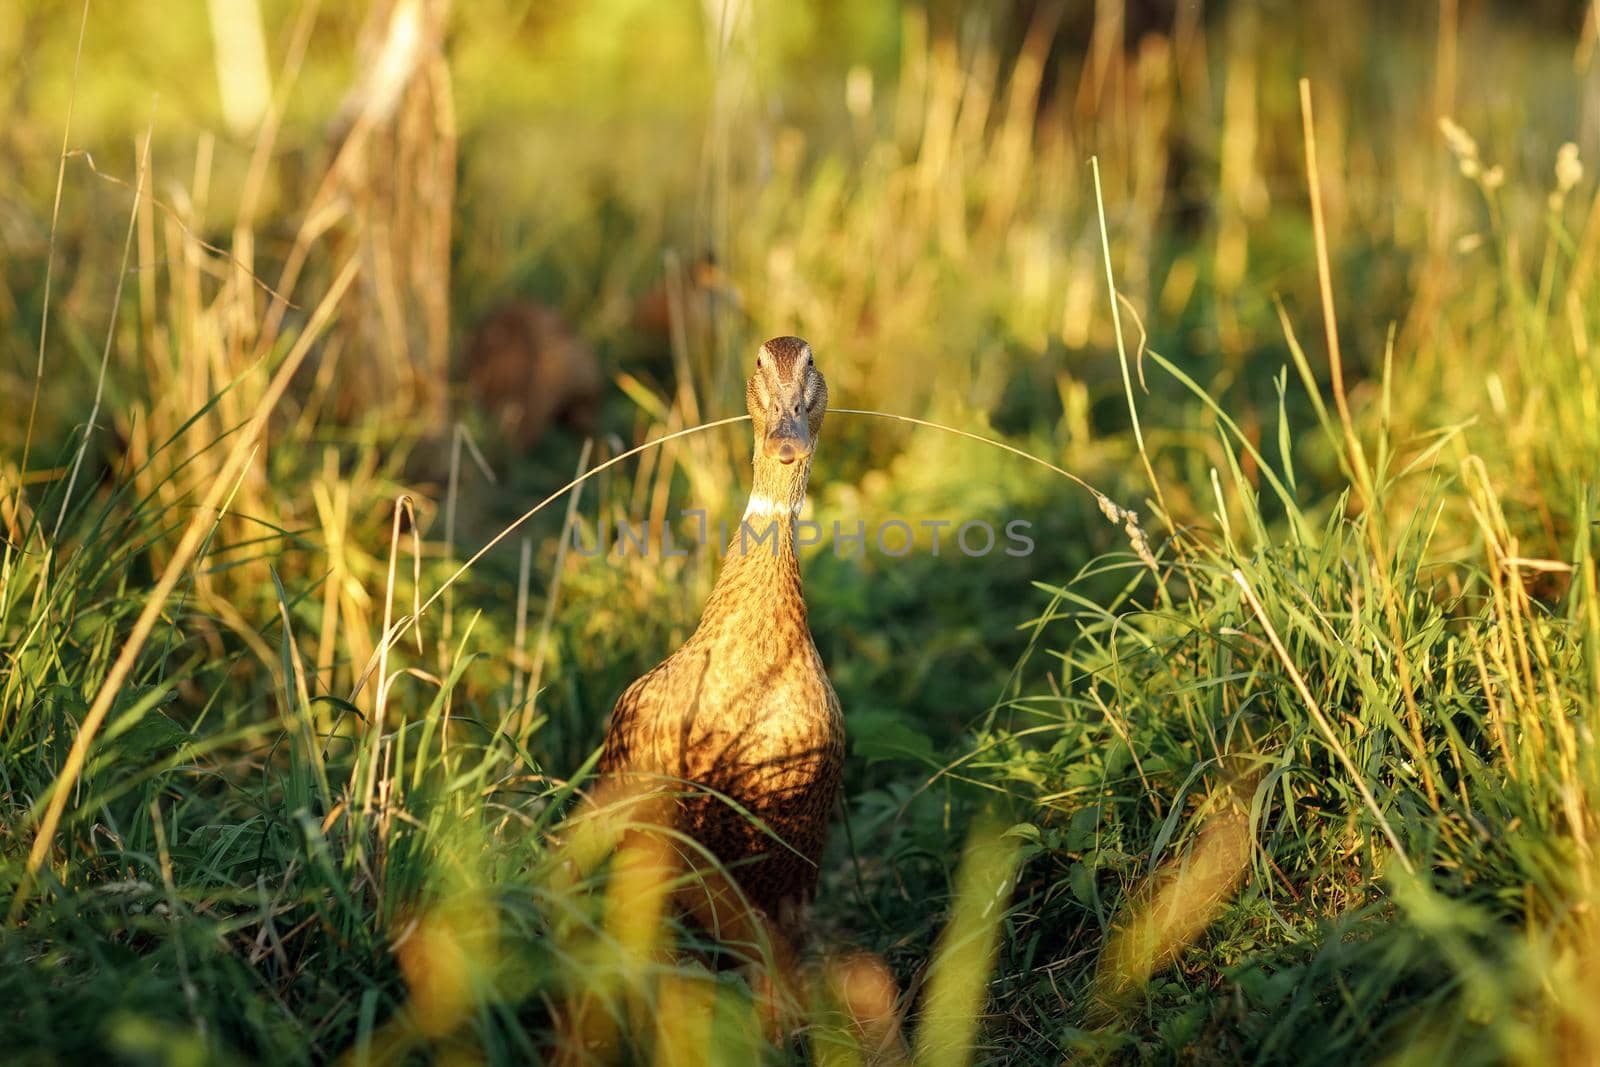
{"points": [[789, 438]]}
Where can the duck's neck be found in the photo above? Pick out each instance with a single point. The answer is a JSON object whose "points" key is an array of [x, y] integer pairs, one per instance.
{"points": [[760, 573], [777, 495]]}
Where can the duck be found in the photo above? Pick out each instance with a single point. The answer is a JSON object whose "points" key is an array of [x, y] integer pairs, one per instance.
{"points": [[740, 728]]}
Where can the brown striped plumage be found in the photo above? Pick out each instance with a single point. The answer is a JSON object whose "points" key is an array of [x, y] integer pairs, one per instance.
{"points": [[743, 716]]}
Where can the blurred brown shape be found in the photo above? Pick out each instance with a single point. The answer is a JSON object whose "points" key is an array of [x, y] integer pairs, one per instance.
{"points": [[527, 368], [862, 985], [693, 287], [16, 515]]}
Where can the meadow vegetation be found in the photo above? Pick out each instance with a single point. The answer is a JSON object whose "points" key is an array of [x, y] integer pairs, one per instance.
{"points": [[1278, 747]]}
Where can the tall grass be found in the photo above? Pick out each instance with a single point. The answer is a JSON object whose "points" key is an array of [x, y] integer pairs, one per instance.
{"points": [[1294, 760]]}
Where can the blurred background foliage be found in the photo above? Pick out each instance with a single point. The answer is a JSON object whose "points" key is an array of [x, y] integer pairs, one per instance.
{"points": [[295, 840]]}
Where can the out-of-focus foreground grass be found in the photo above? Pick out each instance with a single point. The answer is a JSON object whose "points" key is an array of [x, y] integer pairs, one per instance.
{"points": [[1315, 781]]}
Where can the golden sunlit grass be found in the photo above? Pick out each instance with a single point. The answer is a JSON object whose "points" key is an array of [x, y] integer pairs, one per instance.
{"points": [[962, 962], [294, 745], [1186, 897]]}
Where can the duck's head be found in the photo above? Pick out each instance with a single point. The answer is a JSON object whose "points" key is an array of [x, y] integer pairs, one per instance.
{"points": [[787, 398]]}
